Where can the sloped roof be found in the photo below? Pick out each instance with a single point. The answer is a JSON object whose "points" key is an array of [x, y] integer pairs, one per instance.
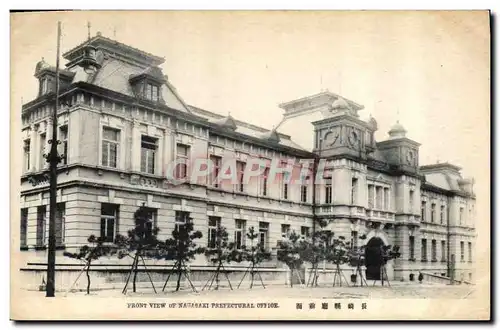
{"points": [[115, 75], [247, 129], [226, 122], [153, 72]]}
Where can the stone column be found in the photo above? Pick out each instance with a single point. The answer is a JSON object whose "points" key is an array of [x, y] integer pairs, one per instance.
{"points": [[136, 147], [33, 148], [168, 150], [382, 202]]}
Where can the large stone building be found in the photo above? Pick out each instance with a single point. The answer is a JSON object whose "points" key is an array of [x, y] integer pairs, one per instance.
{"points": [[121, 123]]}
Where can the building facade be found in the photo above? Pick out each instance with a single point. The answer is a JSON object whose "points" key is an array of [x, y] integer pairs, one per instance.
{"points": [[122, 124]]}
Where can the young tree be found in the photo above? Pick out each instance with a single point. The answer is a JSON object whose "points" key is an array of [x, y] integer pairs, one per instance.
{"points": [[338, 254], [291, 251], [223, 252], [356, 256], [89, 253], [317, 251], [182, 248], [255, 254], [141, 241], [388, 252]]}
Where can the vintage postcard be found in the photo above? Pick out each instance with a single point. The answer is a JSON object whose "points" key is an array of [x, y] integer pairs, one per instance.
{"points": [[250, 165]]}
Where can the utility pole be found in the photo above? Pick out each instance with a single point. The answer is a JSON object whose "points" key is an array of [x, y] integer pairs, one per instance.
{"points": [[53, 159]]}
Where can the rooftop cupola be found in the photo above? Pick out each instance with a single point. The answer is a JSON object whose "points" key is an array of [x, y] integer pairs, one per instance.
{"points": [[397, 131], [46, 75]]}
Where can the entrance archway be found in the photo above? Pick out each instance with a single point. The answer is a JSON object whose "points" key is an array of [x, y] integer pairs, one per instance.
{"points": [[373, 258]]}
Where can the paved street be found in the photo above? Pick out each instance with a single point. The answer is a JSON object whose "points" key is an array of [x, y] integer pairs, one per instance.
{"points": [[397, 290]]}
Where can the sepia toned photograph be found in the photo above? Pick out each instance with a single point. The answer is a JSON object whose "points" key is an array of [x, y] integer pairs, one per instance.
{"points": [[250, 165]]}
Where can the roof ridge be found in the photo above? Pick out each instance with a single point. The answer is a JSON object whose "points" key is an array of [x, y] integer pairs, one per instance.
{"points": [[241, 123], [100, 36]]}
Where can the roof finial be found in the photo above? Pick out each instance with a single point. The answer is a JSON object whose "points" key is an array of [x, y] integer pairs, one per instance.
{"points": [[114, 32], [88, 30]]}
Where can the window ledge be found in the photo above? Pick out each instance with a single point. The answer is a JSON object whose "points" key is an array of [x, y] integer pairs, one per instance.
{"points": [[423, 260], [412, 259], [24, 248]]}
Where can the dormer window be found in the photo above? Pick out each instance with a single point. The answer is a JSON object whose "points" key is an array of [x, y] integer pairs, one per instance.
{"points": [[147, 84], [152, 92], [46, 75]]}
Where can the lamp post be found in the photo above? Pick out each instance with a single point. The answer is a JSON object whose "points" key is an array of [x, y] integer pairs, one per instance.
{"points": [[53, 159]]}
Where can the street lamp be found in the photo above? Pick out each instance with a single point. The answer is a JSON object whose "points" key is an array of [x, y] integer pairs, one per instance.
{"points": [[53, 159]]}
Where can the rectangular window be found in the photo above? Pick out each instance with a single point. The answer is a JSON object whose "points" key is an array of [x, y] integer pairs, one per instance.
{"points": [[63, 137], [181, 218], [110, 143], [423, 210], [41, 213], [469, 247], [386, 198], [149, 146], [239, 233], [424, 249], [42, 160], [285, 230], [371, 192], [433, 250], [441, 214], [285, 190], [411, 201], [26, 160], [213, 224], [60, 223], [378, 197], [462, 252], [461, 216], [354, 190], [433, 212], [304, 232], [109, 221], [24, 226], [303, 190], [412, 248], [182, 161], [443, 251], [44, 86], [328, 193], [152, 92], [216, 162], [152, 218], [264, 235], [264, 182], [240, 167], [354, 239]]}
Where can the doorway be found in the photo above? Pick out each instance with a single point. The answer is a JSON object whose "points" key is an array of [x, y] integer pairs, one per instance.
{"points": [[373, 258]]}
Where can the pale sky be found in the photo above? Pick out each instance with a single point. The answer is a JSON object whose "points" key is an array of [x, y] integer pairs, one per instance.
{"points": [[429, 70]]}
